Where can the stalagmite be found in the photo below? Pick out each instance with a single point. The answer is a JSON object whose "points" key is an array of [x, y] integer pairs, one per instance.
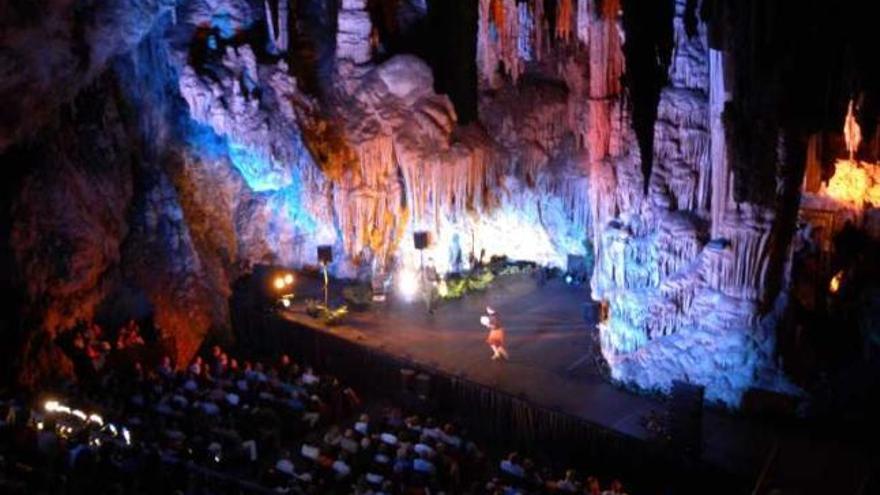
{"points": [[654, 265], [852, 133]]}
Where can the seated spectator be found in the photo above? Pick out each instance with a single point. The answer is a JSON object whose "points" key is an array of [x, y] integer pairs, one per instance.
{"points": [[284, 464], [568, 484], [341, 467], [616, 489], [593, 487], [511, 466]]}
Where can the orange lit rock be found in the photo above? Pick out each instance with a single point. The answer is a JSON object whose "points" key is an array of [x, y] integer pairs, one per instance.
{"points": [[855, 183]]}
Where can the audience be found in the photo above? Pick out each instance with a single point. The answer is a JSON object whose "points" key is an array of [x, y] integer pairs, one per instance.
{"points": [[247, 427]]}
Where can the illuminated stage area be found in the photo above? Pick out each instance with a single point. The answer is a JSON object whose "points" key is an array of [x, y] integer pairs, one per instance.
{"points": [[197, 185], [555, 368]]}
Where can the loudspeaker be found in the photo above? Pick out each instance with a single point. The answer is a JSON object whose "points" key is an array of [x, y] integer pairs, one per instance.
{"points": [[325, 254], [686, 418], [420, 239]]}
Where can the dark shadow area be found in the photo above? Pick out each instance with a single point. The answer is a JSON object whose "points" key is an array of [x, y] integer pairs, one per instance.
{"points": [[648, 52]]}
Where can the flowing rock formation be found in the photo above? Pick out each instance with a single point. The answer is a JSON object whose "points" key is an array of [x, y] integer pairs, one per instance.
{"points": [[196, 139], [685, 271]]}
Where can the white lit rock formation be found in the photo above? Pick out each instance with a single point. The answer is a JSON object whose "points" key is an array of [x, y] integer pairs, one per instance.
{"points": [[238, 159]]}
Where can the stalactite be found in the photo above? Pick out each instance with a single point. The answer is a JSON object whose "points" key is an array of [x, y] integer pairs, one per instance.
{"points": [[583, 21], [368, 201], [564, 20], [353, 45], [852, 133], [537, 33], [606, 67], [525, 47], [278, 37], [721, 187]]}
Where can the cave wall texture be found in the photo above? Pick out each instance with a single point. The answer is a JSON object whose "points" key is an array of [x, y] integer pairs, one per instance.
{"points": [[162, 148]]}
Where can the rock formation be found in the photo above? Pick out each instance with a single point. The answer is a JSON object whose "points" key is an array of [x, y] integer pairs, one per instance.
{"points": [[177, 144]]}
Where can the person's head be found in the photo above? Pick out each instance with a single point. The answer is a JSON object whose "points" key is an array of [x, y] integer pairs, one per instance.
{"points": [[616, 486], [216, 351], [285, 360]]}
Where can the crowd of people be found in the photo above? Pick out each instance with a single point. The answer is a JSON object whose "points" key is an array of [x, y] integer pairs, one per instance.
{"points": [[223, 425], [89, 345]]}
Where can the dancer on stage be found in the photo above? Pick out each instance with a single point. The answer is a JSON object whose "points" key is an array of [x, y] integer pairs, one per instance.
{"points": [[496, 334]]}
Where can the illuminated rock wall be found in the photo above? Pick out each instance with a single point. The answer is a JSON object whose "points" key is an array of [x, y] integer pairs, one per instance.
{"points": [[685, 270], [234, 164], [231, 163]]}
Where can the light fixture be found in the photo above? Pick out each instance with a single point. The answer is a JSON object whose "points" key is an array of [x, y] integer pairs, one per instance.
{"points": [[834, 285], [288, 279], [279, 282], [407, 284]]}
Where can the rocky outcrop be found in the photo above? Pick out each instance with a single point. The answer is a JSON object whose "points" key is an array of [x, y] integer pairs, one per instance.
{"points": [[51, 50], [213, 158], [70, 221]]}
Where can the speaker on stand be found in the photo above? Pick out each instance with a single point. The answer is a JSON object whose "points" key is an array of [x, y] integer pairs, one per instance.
{"points": [[325, 257], [421, 240]]}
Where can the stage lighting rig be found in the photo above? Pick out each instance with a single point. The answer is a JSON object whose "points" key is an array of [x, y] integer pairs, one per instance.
{"points": [[282, 282]]}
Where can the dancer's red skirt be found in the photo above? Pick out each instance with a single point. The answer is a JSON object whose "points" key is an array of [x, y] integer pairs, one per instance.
{"points": [[496, 337]]}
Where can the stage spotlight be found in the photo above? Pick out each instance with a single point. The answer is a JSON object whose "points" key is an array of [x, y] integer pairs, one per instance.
{"points": [[288, 279], [285, 302], [408, 284], [279, 282], [834, 285]]}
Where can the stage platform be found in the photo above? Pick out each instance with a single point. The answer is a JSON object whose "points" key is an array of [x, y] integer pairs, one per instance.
{"points": [[554, 364]]}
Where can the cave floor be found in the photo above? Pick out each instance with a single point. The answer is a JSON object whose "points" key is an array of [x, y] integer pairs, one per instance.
{"points": [[553, 363]]}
